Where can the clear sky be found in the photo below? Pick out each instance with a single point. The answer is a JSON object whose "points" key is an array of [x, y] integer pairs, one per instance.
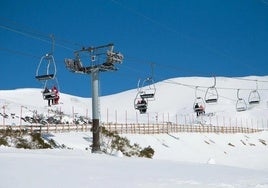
{"points": [[180, 37]]}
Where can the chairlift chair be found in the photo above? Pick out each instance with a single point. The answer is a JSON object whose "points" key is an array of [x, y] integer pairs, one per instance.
{"points": [[241, 104], [49, 95], [199, 101], [49, 84], [201, 105], [254, 97], [212, 95], [147, 89], [46, 69], [139, 105]]}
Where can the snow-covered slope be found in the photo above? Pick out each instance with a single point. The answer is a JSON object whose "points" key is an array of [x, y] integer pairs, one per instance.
{"points": [[180, 160], [173, 102]]}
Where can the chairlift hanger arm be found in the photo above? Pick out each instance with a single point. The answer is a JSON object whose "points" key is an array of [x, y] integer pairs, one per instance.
{"points": [[237, 94], [214, 82]]}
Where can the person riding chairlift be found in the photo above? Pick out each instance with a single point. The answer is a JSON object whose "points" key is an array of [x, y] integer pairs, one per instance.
{"points": [[202, 110], [47, 97], [57, 97], [142, 106], [199, 109]]}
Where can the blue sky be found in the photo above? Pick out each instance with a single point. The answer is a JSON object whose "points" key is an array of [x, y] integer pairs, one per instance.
{"points": [[181, 37]]}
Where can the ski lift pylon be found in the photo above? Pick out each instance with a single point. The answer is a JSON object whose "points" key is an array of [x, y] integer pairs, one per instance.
{"points": [[212, 95]]}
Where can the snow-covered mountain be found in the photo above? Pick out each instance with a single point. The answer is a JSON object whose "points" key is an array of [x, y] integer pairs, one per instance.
{"points": [[180, 160], [173, 102]]}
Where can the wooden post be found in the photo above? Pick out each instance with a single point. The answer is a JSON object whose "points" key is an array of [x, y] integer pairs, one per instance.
{"points": [[73, 114], [4, 115], [107, 113], [20, 114], [126, 117], [137, 121]]}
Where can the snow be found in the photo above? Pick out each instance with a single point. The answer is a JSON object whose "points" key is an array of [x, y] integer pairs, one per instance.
{"points": [[180, 160]]}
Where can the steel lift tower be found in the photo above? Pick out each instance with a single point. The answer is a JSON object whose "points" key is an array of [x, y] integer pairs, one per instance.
{"points": [[102, 59]]}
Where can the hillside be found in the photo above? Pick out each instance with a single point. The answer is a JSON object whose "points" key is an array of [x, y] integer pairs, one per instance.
{"points": [[180, 159], [173, 102]]}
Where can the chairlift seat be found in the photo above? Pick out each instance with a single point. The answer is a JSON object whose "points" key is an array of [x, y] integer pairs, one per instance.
{"points": [[50, 98], [45, 77], [254, 102], [240, 109], [211, 100], [49, 95], [141, 106], [198, 109], [147, 95]]}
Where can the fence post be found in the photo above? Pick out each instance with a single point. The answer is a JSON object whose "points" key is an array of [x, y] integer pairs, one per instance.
{"points": [[115, 116], [126, 116], [137, 120], [107, 115]]}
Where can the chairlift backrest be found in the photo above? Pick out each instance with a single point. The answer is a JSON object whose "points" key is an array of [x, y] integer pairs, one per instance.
{"points": [[46, 68]]}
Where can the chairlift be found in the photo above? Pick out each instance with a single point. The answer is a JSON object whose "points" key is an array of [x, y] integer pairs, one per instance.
{"points": [[212, 95], [46, 73], [146, 92], [199, 103], [51, 92], [254, 96], [46, 69], [241, 104], [140, 103], [147, 89]]}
